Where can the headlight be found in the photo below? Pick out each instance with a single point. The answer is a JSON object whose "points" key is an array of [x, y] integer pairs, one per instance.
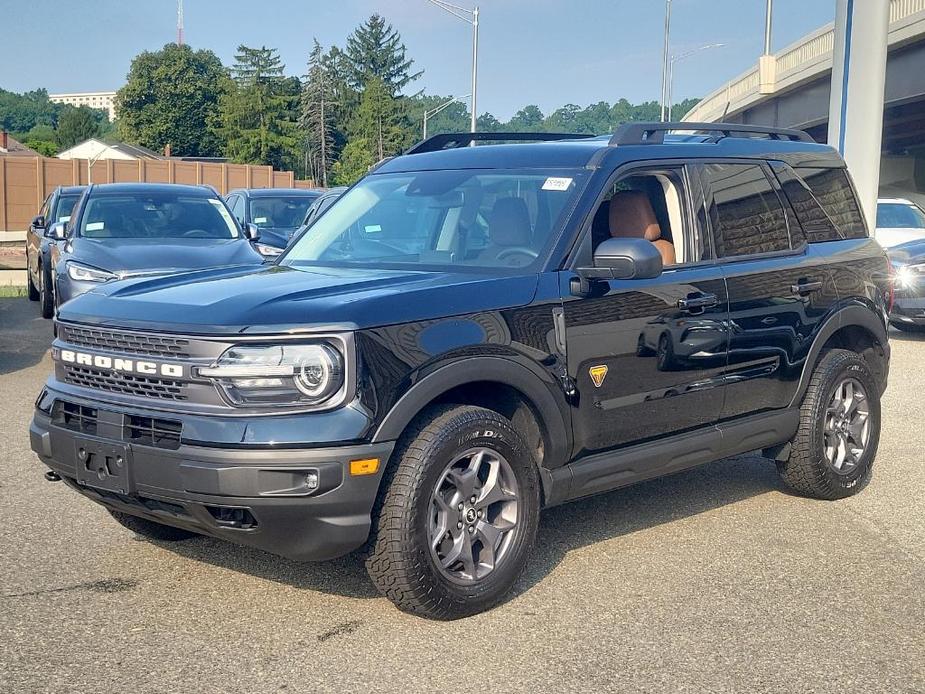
{"points": [[267, 251], [299, 374], [85, 273], [906, 276]]}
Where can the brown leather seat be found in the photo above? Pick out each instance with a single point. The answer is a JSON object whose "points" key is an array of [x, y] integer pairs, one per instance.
{"points": [[632, 216], [508, 227]]}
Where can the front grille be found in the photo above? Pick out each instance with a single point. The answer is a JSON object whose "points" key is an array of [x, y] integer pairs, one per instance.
{"points": [[145, 431], [121, 341], [126, 384]]}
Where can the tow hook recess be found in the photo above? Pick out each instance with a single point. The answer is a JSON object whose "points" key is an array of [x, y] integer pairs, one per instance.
{"points": [[52, 476]]}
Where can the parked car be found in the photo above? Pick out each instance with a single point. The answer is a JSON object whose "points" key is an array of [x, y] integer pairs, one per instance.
{"points": [[322, 203], [908, 261], [455, 346], [120, 230], [56, 208], [275, 212], [899, 221]]}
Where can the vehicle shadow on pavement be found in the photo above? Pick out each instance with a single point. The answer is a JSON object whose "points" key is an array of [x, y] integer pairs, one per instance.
{"points": [[25, 336], [562, 529]]}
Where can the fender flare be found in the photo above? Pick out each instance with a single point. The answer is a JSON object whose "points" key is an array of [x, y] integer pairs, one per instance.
{"points": [[853, 315], [557, 434]]}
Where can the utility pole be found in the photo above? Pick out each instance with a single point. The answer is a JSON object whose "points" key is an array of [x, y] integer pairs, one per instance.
{"points": [[665, 59], [469, 17], [179, 22]]}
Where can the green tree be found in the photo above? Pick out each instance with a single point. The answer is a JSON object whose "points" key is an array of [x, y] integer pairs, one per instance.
{"points": [[47, 148], [527, 119], [19, 113], [488, 123], [170, 97], [76, 125], [378, 120], [375, 50], [354, 162], [258, 118], [317, 118]]}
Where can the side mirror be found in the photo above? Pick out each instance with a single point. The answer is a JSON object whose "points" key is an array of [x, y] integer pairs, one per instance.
{"points": [[58, 231], [625, 259], [38, 222], [251, 231]]}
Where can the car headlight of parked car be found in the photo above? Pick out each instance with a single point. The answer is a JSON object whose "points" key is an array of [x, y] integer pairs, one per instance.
{"points": [[85, 273], [297, 374], [267, 251], [906, 276]]}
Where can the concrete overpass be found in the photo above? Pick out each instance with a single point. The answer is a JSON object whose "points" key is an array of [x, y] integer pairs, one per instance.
{"points": [[792, 89]]}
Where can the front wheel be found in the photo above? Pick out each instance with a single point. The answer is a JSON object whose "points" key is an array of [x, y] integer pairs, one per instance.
{"points": [[33, 290], [46, 293], [832, 454], [458, 514]]}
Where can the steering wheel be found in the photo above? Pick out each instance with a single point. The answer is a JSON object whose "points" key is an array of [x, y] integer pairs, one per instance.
{"points": [[515, 251]]}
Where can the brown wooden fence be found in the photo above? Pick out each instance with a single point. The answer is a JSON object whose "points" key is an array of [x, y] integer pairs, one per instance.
{"points": [[25, 181]]}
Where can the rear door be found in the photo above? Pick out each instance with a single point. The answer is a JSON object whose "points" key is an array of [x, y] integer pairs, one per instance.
{"points": [[779, 287]]}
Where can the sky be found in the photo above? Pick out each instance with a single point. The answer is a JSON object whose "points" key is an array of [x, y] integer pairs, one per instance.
{"points": [[543, 52]]}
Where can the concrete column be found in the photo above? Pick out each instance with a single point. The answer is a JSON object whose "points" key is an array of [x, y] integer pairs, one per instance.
{"points": [[856, 105]]}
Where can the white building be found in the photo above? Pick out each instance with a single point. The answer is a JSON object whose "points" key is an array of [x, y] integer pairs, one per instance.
{"points": [[94, 149], [104, 100]]}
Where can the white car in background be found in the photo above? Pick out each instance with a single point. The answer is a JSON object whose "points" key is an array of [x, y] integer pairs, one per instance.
{"points": [[899, 220]]}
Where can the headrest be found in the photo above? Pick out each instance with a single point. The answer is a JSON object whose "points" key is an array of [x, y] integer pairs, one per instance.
{"points": [[509, 223], [632, 216]]}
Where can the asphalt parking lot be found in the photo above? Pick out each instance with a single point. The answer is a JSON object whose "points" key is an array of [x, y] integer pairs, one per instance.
{"points": [[713, 580]]}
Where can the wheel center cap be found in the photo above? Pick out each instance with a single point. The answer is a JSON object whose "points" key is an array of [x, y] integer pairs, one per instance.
{"points": [[470, 515]]}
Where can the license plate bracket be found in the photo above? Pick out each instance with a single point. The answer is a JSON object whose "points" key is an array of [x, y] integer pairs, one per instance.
{"points": [[103, 465]]}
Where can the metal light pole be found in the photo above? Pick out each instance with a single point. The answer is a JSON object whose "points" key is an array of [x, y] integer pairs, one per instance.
{"points": [[470, 17], [678, 58], [767, 27], [666, 59], [436, 110]]}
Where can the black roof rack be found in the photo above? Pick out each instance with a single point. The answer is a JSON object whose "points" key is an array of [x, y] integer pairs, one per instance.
{"points": [[654, 133], [456, 140]]}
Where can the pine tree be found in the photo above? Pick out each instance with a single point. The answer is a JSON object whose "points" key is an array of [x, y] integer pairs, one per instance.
{"points": [[379, 120], [317, 119], [375, 50], [259, 110]]}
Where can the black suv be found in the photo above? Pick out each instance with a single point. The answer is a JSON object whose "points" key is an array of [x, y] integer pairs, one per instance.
{"points": [[471, 334]]}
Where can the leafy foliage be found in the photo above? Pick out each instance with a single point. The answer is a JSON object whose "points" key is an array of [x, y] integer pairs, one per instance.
{"points": [[76, 125], [170, 97], [317, 119], [375, 51]]}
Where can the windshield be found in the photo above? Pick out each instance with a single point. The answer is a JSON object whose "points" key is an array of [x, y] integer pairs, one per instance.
{"points": [[445, 219], [282, 212], [65, 205], [156, 215], [892, 215]]}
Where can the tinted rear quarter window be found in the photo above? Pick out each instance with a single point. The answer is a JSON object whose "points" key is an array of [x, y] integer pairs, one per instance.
{"points": [[746, 215], [825, 203]]}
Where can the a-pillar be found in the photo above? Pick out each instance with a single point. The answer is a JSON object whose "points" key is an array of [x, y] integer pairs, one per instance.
{"points": [[856, 105]]}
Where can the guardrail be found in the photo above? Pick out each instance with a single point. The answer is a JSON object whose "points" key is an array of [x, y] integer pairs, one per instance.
{"points": [[789, 62]]}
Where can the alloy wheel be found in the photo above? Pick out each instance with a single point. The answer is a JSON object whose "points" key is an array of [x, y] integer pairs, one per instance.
{"points": [[847, 426]]}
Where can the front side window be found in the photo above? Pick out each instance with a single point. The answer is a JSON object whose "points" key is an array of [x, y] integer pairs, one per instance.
{"points": [[746, 214], [444, 219], [156, 215], [897, 215], [65, 207], [279, 212]]}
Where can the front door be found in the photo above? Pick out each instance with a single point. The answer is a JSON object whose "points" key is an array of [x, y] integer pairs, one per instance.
{"points": [[646, 357]]}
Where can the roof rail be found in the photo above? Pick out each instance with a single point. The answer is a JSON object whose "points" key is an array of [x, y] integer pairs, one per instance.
{"points": [[456, 140], [654, 133]]}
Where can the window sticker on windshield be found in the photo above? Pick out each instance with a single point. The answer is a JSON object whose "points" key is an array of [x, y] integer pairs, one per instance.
{"points": [[95, 226], [260, 220], [370, 228], [553, 183], [65, 218]]}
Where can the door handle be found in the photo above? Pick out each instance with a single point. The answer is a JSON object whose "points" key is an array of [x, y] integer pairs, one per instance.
{"points": [[803, 288], [698, 301]]}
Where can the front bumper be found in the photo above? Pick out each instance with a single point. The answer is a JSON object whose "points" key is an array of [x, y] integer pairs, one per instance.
{"points": [[255, 497]]}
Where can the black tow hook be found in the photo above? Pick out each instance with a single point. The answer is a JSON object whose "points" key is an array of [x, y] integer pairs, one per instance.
{"points": [[52, 476]]}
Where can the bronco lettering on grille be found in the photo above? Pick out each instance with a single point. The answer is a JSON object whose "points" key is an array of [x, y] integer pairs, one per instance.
{"points": [[133, 366]]}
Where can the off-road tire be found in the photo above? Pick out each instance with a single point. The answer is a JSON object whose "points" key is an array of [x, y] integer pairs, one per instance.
{"points": [[33, 290], [46, 293], [150, 529], [398, 556], [806, 471]]}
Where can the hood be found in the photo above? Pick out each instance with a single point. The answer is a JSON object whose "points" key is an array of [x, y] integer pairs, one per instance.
{"points": [[275, 298], [150, 255]]}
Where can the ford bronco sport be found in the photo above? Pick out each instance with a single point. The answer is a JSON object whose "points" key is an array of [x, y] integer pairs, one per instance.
{"points": [[471, 334]]}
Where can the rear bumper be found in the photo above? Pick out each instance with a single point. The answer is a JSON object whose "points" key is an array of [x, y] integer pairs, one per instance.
{"points": [[252, 497]]}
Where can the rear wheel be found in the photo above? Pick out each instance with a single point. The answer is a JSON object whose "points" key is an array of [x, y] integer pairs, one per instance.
{"points": [[46, 293], [832, 454], [458, 515], [150, 529]]}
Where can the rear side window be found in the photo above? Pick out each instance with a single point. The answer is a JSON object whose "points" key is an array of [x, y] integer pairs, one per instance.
{"points": [[824, 203], [746, 214]]}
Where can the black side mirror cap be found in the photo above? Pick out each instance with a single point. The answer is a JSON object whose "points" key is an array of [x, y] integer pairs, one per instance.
{"points": [[38, 222], [624, 259]]}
